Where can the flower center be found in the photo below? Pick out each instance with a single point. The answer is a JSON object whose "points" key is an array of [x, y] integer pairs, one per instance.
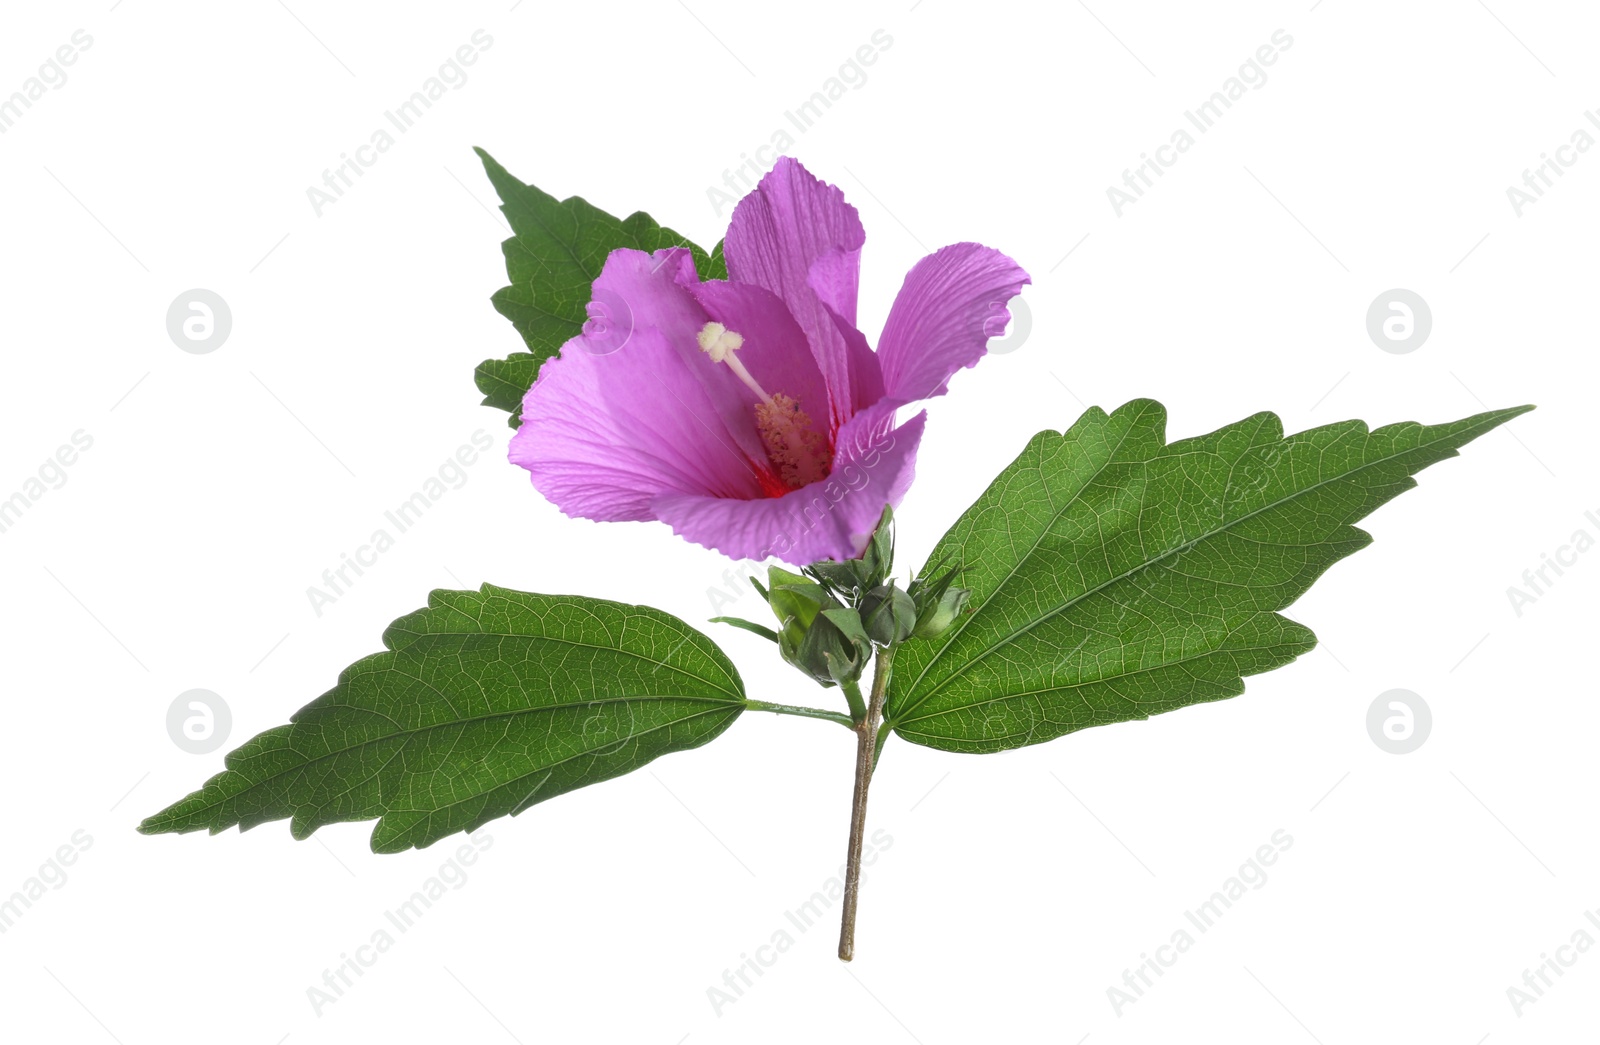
{"points": [[798, 451]]}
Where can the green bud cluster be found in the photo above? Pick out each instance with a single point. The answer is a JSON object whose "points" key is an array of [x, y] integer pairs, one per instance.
{"points": [[817, 633], [834, 613]]}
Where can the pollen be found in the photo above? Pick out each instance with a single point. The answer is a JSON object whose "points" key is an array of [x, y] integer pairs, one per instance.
{"points": [[794, 447], [796, 450]]}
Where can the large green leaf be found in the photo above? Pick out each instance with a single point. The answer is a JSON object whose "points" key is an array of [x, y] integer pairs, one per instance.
{"points": [[484, 704], [555, 253], [1115, 576]]}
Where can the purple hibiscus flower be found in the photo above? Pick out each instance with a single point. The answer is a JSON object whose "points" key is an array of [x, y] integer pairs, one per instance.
{"points": [[751, 415]]}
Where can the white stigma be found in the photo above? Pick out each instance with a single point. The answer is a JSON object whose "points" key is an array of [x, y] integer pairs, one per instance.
{"points": [[720, 343]]}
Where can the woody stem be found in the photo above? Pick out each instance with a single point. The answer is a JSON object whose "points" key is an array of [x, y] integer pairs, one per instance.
{"points": [[866, 745]]}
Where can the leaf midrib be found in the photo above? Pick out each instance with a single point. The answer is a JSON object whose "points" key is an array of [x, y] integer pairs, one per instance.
{"points": [[1107, 678], [407, 733], [421, 635], [1151, 562]]}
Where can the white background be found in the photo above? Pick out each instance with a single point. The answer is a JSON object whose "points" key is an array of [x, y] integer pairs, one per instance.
{"points": [[219, 487]]}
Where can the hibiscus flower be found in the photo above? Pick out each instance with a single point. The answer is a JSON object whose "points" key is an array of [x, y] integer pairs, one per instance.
{"points": [[750, 414]]}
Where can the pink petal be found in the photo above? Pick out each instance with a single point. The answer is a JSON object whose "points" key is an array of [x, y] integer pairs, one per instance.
{"points": [[830, 519], [866, 376], [624, 413], [834, 277], [952, 302], [775, 350], [776, 236]]}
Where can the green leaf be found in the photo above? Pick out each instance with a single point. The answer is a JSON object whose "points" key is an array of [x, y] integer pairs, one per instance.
{"points": [[484, 704], [1115, 576], [555, 252]]}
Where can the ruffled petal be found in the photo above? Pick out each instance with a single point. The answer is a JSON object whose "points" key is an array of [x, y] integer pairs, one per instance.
{"points": [[624, 413], [831, 519], [952, 302], [776, 236]]}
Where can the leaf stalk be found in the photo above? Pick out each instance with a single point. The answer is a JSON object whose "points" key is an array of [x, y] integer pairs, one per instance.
{"points": [[803, 712]]}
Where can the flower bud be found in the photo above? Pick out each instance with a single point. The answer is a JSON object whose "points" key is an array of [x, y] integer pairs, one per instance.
{"points": [[816, 634], [867, 570], [936, 615], [791, 595], [888, 614], [790, 635], [834, 649], [843, 574], [938, 603], [878, 558]]}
